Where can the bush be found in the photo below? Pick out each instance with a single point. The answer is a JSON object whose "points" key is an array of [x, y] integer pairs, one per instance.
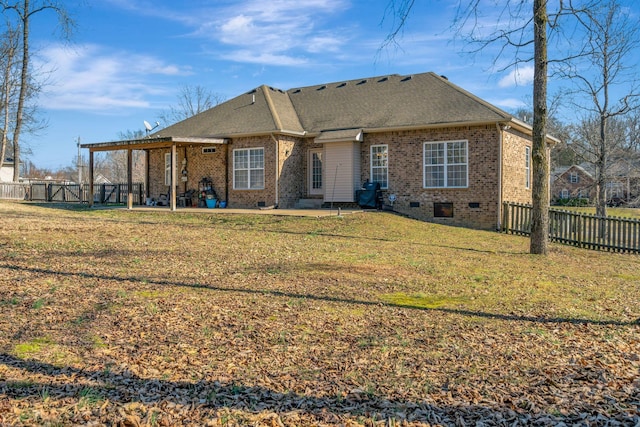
{"points": [[573, 201]]}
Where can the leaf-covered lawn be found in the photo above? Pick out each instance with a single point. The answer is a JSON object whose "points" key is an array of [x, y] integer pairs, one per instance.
{"points": [[112, 317]]}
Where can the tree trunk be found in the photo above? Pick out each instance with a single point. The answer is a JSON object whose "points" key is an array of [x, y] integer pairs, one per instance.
{"points": [[601, 170], [7, 88], [24, 81], [540, 155]]}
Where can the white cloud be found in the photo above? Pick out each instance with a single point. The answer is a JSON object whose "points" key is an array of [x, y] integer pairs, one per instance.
{"points": [[519, 76], [259, 31], [264, 58], [508, 103], [90, 77]]}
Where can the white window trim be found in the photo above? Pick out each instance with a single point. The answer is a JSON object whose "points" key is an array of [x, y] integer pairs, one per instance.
{"points": [[248, 168], [527, 167], [386, 167], [564, 194], [445, 165]]}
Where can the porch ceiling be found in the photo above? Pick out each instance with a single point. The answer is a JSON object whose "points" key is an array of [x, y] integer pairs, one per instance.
{"points": [[149, 143]]}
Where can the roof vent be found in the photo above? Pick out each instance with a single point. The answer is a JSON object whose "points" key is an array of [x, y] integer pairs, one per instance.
{"points": [[384, 79], [361, 82], [444, 77], [406, 79], [322, 87], [342, 85], [297, 91], [252, 91]]}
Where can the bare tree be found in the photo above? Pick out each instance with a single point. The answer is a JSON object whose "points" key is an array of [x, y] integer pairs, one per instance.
{"points": [[24, 10], [191, 101], [611, 38], [520, 33], [8, 51]]}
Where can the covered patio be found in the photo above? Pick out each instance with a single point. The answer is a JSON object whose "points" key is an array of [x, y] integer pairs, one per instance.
{"points": [[146, 144]]}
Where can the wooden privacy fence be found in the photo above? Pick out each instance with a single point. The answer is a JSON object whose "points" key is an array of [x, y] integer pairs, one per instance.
{"points": [[578, 229], [72, 193]]}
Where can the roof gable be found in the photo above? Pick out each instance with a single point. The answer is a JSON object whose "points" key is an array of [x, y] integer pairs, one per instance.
{"points": [[576, 169], [261, 110]]}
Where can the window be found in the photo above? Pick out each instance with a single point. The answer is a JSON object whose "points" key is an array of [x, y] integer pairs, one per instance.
{"points": [[527, 167], [167, 168], [574, 178], [614, 189], [445, 164], [248, 169], [564, 194], [380, 165], [316, 172]]}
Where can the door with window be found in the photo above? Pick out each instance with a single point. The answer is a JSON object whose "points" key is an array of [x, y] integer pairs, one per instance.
{"points": [[315, 172]]}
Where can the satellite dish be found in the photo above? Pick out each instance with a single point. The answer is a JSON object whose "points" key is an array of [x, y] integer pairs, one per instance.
{"points": [[148, 126]]}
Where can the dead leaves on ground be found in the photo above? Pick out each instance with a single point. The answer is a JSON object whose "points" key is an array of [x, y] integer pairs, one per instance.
{"points": [[165, 325]]}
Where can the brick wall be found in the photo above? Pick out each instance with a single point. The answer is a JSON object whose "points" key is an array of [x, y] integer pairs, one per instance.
{"points": [[254, 198], [475, 206], [292, 156], [199, 166], [514, 187]]}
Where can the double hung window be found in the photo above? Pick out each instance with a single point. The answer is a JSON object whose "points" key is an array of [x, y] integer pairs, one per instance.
{"points": [[248, 169], [446, 164]]}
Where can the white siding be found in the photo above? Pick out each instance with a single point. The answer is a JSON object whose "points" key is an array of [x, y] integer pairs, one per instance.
{"points": [[341, 171], [6, 174]]}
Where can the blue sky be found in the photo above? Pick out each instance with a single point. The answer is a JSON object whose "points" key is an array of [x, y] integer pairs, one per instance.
{"points": [[129, 58]]}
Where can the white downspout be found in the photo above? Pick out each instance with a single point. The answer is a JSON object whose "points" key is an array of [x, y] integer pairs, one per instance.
{"points": [[277, 142], [498, 223]]}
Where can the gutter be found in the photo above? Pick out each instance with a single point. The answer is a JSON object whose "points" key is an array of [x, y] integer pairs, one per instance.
{"points": [[500, 127], [277, 144]]}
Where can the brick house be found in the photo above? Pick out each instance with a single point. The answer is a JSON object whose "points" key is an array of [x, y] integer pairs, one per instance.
{"points": [[440, 153], [573, 182], [578, 182]]}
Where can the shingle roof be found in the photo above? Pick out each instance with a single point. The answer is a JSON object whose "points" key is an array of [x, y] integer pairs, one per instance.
{"points": [[249, 113], [392, 101], [389, 102]]}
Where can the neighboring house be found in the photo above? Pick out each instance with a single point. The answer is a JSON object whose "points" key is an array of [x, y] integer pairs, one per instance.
{"points": [[100, 179], [573, 182], [6, 171], [578, 182], [439, 152]]}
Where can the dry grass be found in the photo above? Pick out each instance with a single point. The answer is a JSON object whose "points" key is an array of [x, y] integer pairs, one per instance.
{"points": [[372, 319], [632, 213]]}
